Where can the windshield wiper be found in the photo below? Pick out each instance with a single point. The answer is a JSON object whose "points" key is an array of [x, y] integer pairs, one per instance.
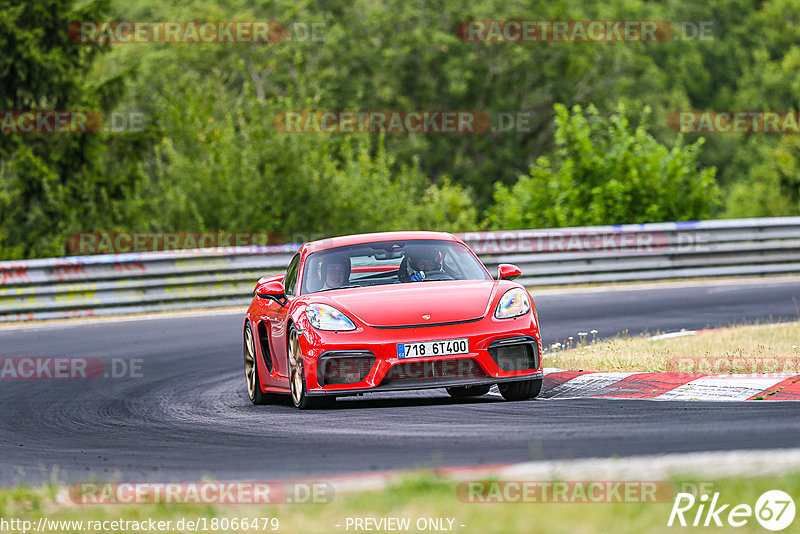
{"points": [[340, 287]]}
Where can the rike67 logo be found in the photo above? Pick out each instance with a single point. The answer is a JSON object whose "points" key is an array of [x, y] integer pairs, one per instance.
{"points": [[774, 510]]}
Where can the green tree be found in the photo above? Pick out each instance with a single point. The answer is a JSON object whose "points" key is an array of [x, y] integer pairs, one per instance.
{"points": [[772, 188], [51, 184], [211, 159], [604, 171], [222, 165], [407, 56]]}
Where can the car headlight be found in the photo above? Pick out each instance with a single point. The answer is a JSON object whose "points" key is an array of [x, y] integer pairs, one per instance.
{"points": [[514, 303], [324, 317]]}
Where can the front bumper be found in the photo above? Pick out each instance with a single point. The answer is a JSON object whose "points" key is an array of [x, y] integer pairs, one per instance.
{"points": [[429, 385], [366, 360]]}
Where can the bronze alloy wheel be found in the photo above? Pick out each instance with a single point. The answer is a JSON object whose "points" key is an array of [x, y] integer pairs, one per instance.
{"points": [[297, 382], [296, 369]]}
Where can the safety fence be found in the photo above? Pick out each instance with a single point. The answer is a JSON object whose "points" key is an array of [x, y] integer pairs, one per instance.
{"points": [[205, 278]]}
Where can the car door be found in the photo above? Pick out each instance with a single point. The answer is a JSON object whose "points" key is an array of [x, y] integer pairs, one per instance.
{"points": [[278, 317]]}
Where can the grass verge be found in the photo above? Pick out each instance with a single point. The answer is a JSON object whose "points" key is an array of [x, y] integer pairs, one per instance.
{"points": [[741, 350], [418, 499]]}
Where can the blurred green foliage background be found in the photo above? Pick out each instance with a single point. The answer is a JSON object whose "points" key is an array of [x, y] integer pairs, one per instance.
{"points": [[598, 149]]}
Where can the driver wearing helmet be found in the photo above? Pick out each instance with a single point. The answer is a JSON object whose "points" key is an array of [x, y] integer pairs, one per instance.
{"points": [[335, 271], [424, 261]]}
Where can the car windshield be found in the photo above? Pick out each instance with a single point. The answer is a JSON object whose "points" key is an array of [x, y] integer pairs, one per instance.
{"points": [[390, 262]]}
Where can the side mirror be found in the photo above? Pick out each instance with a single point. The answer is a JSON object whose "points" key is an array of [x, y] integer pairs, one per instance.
{"points": [[271, 289], [506, 271]]}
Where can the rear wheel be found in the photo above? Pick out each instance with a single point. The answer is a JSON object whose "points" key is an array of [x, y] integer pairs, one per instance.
{"points": [[523, 390], [461, 392], [251, 369], [297, 378]]}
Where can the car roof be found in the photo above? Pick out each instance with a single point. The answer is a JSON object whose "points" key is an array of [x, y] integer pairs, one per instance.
{"points": [[332, 242]]}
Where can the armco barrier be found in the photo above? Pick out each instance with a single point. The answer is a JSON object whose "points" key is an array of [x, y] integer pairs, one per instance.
{"points": [[114, 284], [158, 281], [633, 252]]}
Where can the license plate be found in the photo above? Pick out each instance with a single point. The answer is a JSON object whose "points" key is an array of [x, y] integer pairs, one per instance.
{"points": [[433, 348]]}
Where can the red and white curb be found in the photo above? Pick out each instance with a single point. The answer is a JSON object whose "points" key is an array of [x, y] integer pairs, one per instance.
{"points": [[560, 384]]}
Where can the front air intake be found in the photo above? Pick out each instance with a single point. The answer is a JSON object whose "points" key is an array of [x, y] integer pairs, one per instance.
{"points": [[344, 367], [515, 354], [262, 340]]}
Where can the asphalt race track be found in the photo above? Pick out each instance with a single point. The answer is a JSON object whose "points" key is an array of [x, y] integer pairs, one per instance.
{"points": [[188, 415]]}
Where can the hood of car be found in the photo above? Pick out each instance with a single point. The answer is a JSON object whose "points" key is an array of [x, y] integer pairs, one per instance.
{"points": [[416, 303]]}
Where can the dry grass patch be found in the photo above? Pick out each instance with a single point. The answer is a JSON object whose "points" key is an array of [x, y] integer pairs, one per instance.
{"points": [[741, 350]]}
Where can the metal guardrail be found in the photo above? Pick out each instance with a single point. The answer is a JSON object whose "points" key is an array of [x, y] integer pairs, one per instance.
{"points": [[639, 252], [112, 284], [158, 281]]}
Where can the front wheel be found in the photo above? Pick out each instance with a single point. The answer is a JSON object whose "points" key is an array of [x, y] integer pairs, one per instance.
{"points": [[297, 378], [522, 390], [462, 392]]}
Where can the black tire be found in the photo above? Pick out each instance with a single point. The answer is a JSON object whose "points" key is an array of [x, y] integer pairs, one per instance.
{"points": [[251, 377], [522, 390], [462, 392], [297, 378]]}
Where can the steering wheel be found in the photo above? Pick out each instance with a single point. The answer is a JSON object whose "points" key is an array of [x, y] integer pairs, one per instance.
{"points": [[402, 271], [437, 275]]}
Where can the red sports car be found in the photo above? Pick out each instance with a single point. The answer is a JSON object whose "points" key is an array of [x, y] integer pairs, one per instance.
{"points": [[386, 312]]}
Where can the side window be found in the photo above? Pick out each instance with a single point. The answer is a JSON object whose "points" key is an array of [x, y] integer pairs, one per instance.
{"points": [[291, 275]]}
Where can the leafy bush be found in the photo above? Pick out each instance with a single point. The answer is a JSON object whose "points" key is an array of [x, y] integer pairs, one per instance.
{"points": [[604, 171], [772, 188], [221, 165]]}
